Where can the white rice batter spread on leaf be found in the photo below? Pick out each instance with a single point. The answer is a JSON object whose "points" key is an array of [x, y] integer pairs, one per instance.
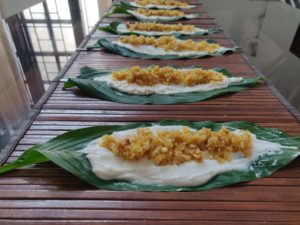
{"points": [[107, 165]]}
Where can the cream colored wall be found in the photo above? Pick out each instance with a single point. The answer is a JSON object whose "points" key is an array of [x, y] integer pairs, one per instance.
{"points": [[104, 5]]}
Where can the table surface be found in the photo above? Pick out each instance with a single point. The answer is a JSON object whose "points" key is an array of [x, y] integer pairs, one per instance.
{"points": [[46, 194]]}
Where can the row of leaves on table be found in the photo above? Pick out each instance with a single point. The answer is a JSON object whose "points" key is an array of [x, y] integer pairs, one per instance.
{"points": [[65, 150]]}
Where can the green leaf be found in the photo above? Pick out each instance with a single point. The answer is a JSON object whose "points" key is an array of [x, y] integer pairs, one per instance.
{"points": [[118, 9], [114, 48], [29, 157], [87, 73], [98, 89], [113, 28], [65, 151]]}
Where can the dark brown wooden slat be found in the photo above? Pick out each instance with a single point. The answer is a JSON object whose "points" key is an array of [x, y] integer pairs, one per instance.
{"points": [[149, 215], [244, 193], [162, 112], [134, 222], [104, 59], [93, 58], [91, 105], [153, 205], [120, 118], [250, 92]]}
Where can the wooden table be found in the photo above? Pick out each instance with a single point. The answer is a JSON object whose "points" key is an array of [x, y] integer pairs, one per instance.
{"points": [[45, 194]]}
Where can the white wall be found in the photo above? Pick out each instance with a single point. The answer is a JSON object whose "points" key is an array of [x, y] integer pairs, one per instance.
{"points": [[272, 26], [11, 7]]}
